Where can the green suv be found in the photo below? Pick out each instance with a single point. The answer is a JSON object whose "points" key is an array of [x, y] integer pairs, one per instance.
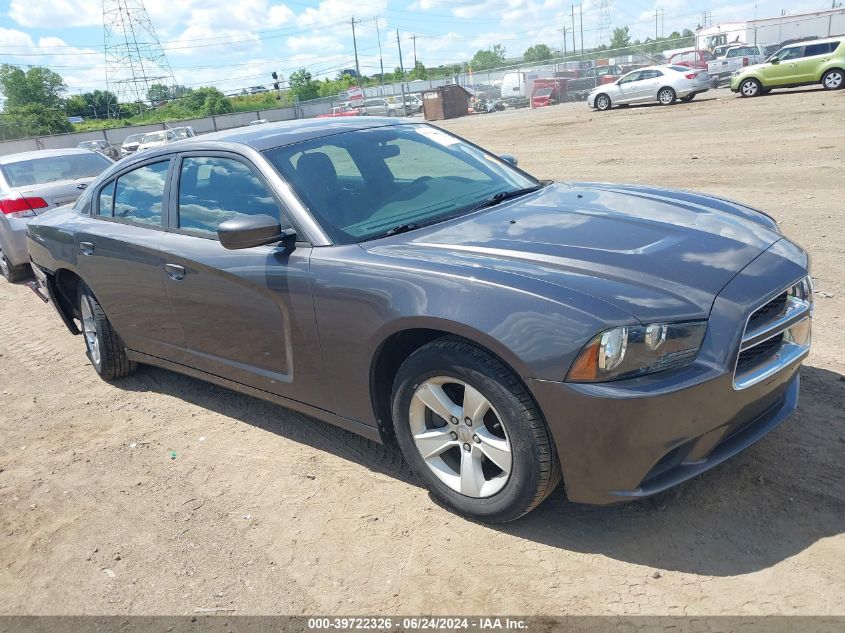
{"points": [[817, 61]]}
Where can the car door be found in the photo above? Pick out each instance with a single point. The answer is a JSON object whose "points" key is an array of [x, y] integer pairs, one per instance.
{"points": [[627, 87], [811, 63], [246, 315], [648, 85], [118, 257], [785, 71]]}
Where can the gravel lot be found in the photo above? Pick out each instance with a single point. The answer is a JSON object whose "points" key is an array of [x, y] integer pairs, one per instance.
{"points": [[265, 511]]}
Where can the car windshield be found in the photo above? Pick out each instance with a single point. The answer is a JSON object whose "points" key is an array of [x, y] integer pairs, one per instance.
{"points": [[133, 138], [359, 185], [154, 137], [38, 171]]}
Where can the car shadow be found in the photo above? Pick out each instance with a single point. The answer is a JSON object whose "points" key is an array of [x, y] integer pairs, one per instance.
{"points": [[762, 507]]}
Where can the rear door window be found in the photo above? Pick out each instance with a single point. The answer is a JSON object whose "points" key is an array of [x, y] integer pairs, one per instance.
{"points": [[139, 194]]}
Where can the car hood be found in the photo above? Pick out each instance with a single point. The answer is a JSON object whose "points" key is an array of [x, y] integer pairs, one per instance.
{"points": [[654, 253]]}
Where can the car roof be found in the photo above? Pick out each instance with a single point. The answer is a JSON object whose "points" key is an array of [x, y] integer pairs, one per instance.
{"points": [[42, 153], [269, 135]]}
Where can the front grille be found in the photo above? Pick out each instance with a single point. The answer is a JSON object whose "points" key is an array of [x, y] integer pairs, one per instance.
{"points": [[753, 356], [769, 312], [776, 335]]}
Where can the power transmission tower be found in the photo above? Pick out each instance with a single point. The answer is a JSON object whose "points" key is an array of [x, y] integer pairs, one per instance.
{"points": [[603, 31], [134, 57]]}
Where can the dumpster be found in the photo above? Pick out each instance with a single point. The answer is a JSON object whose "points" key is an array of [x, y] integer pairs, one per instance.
{"points": [[445, 102]]}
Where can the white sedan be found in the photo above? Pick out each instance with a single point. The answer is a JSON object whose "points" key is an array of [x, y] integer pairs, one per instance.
{"points": [[661, 84], [154, 139]]}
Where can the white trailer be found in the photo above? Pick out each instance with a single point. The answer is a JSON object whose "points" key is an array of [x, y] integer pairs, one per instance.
{"points": [[771, 31]]}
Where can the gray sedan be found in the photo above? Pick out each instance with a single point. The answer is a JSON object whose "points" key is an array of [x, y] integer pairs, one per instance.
{"points": [[34, 182], [653, 84], [400, 282]]}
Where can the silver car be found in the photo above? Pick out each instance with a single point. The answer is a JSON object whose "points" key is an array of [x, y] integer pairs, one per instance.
{"points": [[660, 84], [34, 182], [130, 144]]}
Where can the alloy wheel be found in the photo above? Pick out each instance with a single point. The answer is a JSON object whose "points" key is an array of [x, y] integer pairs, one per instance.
{"points": [[460, 436], [749, 88], [833, 80], [89, 329], [602, 102], [666, 96]]}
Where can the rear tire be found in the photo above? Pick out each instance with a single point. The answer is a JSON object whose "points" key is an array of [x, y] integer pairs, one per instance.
{"points": [[496, 467], [750, 88], [602, 102], [688, 98], [103, 346], [13, 274], [833, 79], [666, 96]]}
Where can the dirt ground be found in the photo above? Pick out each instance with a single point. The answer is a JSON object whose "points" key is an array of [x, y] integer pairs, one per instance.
{"points": [[265, 511]]}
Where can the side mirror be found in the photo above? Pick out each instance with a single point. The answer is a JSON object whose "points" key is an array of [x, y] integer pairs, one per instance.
{"points": [[509, 158], [774, 60], [252, 230]]}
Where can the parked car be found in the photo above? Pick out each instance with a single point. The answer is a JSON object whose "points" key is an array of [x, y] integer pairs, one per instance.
{"points": [[339, 111], [692, 59], [34, 182], [736, 57], [818, 61], [101, 147], [393, 279], [130, 144], [383, 107], [154, 139], [184, 131], [413, 104], [660, 84], [579, 89]]}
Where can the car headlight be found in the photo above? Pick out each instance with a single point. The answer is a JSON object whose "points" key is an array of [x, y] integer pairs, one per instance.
{"points": [[634, 350]]}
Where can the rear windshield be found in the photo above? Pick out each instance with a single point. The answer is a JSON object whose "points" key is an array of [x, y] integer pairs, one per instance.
{"points": [[680, 69], [38, 171]]}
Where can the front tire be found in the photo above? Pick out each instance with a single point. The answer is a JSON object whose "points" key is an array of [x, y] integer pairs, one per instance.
{"points": [[602, 102], [102, 344], [470, 430], [750, 88], [833, 79], [666, 96]]}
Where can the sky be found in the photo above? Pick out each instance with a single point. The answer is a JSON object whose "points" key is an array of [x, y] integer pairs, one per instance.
{"points": [[232, 44]]}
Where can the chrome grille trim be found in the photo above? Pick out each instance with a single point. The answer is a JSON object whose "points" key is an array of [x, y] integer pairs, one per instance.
{"points": [[796, 315]]}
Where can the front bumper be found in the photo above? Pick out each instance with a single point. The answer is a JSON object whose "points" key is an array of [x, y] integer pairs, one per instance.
{"points": [[633, 438], [633, 443]]}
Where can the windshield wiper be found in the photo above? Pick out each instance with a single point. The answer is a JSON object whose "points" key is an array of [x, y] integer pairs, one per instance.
{"points": [[402, 228], [496, 198]]}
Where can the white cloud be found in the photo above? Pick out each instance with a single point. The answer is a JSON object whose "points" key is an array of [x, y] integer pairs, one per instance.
{"points": [[55, 14]]}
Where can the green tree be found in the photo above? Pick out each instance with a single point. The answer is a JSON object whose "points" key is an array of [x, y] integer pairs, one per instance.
{"points": [[36, 86], [35, 119], [621, 38], [490, 58], [157, 93], [303, 85], [537, 53], [419, 71]]}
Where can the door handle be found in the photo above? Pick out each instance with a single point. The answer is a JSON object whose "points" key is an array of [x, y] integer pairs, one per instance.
{"points": [[175, 272], [86, 248]]}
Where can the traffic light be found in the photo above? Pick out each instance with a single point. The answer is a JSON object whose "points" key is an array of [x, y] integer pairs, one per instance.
{"points": [[276, 79]]}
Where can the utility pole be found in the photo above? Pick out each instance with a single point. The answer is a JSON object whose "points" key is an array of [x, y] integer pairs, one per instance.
{"points": [[355, 47], [380, 58], [414, 38], [581, 20], [572, 6], [564, 30], [402, 68]]}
